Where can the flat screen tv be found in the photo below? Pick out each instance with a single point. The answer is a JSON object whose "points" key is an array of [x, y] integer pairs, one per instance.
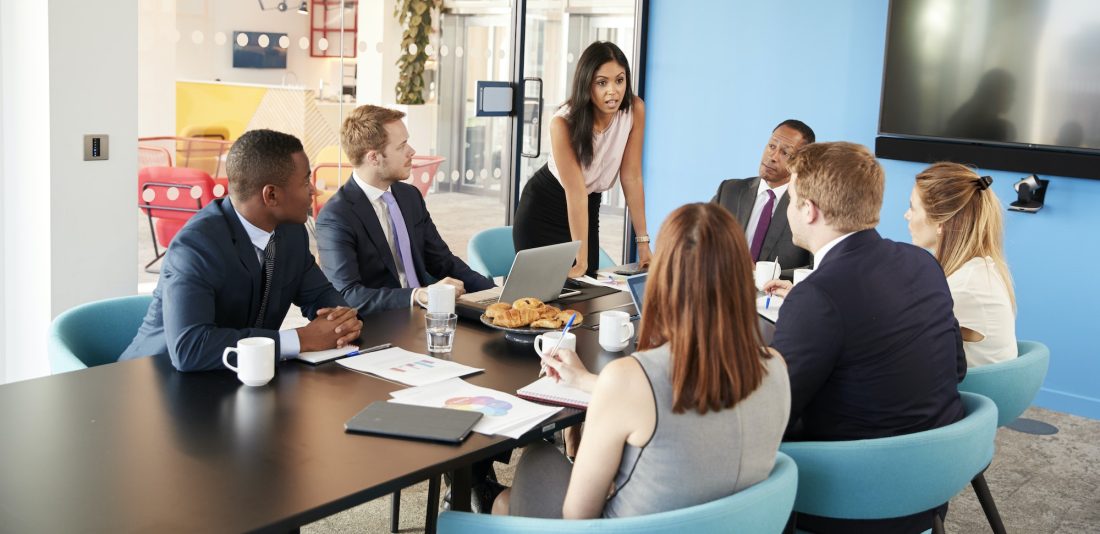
{"points": [[260, 51], [1004, 84]]}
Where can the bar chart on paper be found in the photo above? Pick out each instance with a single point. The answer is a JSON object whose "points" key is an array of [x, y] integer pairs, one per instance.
{"points": [[405, 367]]}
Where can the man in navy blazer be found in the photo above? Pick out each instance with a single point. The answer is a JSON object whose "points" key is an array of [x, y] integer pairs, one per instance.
{"points": [[377, 242], [870, 339], [215, 275]]}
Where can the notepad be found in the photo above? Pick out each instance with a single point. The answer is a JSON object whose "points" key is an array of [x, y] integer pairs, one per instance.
{"points": [[547, 390], [321, 356]]}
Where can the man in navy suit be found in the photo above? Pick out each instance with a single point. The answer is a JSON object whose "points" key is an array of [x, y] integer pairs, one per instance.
{"points": [[237, 265], [377, 242], [870, 339]]}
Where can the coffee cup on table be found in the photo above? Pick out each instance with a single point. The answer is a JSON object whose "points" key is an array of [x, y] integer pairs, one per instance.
{"points": [[544, 343], [615, 330], [765, 272], [801, 274], [255, 360]]}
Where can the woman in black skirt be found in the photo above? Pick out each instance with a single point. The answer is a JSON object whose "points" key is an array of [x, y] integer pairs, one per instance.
{"points": [[595, 138]]}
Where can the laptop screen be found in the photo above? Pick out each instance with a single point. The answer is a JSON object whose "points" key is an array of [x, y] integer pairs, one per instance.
{"points": [[636, 284]]}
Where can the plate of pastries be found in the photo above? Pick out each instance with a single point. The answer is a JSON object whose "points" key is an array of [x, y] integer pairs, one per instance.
{"points": [[528, 316]]}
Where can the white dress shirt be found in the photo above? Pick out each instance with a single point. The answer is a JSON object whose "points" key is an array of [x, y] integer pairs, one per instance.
{"points": [[982, 304], [758, 207], [383, 212], [819, 254], [289, 344]]}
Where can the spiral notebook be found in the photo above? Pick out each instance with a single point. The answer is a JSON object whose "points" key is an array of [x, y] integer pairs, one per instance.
{"points": [[547, 390]]}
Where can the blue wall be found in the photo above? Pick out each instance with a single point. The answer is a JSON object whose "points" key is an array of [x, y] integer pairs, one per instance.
{"points": [[721, 74]]}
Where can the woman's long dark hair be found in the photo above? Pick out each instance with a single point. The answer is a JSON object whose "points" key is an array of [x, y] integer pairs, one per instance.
{"points": [[581, 117]]}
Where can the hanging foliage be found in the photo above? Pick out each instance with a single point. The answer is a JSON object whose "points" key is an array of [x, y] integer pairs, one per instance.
{"points": [[416, 16]]}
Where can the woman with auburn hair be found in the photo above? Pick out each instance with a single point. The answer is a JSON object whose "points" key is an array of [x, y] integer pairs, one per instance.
{"points": [[953, 213], [695, 415]]}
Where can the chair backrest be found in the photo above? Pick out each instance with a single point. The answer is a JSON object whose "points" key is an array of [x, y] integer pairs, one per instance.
{"points": [[178, 192], [896, 476], [490, 252], [95, 333], [763, 507], [1011, 384]]}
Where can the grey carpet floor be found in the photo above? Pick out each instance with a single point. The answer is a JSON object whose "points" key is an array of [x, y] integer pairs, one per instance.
{"points": [[1042, 485]]}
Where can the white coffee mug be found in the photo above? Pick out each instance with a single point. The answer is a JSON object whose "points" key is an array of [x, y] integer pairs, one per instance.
{"points": [[766, 271], [615, 330], [255, 360], [544, 343], [801, 274], [441, 298]]}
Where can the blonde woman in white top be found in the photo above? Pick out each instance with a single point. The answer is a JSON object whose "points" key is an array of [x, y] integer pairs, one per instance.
{"points": [[595, 138], [953, 213]]}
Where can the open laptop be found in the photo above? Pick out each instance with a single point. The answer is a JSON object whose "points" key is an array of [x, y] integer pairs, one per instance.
{"points": [[636, 285], [538, 272]]}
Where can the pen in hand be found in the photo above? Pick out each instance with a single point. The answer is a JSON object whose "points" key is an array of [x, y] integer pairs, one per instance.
{"points": [[768, 300], [568, 325]]}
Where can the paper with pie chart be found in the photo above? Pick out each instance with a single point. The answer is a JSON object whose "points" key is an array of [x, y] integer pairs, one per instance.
{"points": [[405, 367], [502, 414]]}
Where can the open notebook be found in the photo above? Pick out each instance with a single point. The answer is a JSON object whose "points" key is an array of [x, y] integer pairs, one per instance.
{"points": [[547, 390]]}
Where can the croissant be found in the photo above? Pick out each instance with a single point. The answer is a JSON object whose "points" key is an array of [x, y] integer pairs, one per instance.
{"points": [[547, 323], [566, 314], [527, 303], [548, 312], [496, 309], [515, 318]]}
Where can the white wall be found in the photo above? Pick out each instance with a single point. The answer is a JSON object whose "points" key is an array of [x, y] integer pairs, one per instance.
{"points": [[209, 61], [2, 251], [381, 35], [156, 68], [70, 68]]}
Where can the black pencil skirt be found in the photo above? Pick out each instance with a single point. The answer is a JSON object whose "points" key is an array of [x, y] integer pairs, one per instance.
{"points": [[542, 217]]}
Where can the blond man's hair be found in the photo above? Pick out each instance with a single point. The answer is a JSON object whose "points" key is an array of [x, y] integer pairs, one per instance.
{"points": [[364, 130], [844, 181]]}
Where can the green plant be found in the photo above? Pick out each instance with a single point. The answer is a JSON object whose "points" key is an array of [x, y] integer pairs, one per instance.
{"points": [[416, 16]]}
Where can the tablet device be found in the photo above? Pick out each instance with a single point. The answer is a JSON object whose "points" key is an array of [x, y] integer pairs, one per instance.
{"points": [[390, 419]]}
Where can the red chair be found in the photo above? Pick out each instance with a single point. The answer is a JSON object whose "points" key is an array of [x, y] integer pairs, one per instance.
{"points": [[170, 196]]}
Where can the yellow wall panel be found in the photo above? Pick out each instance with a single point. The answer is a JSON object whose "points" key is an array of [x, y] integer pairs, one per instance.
{"points": [[232, 106]]}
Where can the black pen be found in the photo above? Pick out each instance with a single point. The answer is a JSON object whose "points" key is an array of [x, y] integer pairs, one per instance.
{"points": [[369, 349]]}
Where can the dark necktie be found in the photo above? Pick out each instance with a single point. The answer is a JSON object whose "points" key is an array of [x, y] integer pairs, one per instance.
{"points": [[265, 283], [762, 226], [401, 238]]}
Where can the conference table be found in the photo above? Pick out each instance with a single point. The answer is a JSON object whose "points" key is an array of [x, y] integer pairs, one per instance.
{"points": [[137, 446]]}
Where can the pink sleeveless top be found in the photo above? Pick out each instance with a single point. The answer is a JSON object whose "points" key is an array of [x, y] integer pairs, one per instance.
{"points": [[607, 152]]}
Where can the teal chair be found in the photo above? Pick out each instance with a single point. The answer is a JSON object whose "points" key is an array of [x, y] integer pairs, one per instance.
{"points": [[896, 476], [490, 252], [95, 333], [1012, 385], [761, 508]]}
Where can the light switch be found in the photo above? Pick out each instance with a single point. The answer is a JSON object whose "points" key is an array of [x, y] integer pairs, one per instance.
{"points": [[95, 147]]}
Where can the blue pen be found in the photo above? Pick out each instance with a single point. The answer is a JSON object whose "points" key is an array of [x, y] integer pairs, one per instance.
{"points": [[369, 349], [564, 331]]}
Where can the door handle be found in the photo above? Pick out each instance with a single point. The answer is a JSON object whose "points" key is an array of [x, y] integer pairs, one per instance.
{"points": [[532, 117]]}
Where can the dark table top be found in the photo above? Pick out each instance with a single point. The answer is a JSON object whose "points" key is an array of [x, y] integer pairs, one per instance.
{"points": [[137, 446]]}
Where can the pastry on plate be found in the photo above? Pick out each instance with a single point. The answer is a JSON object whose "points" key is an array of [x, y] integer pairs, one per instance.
{"points": [[496, 309], [547, 323], [527, 303], [515, 318], [565, 314], [548, 312]]}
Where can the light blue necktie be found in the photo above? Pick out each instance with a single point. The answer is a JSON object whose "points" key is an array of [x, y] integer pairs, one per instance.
{"points": [[401, 238]]}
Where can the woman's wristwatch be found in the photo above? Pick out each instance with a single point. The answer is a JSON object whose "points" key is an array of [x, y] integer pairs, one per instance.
{"points": [[641, 239]]}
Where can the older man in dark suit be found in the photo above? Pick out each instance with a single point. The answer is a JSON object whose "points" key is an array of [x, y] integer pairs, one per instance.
{"points": [[377, 242], [237, 265], [760, 203], [870, 339]]}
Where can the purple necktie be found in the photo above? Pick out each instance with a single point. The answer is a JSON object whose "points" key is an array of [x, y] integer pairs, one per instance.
{"points": [[762, 226], [401, 237]]}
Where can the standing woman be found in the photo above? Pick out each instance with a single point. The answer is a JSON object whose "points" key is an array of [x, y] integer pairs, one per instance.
{"points": [[595, 137], [953, 213]]}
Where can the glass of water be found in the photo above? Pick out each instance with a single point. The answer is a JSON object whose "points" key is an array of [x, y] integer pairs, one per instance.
{"points": [[441, 331]]}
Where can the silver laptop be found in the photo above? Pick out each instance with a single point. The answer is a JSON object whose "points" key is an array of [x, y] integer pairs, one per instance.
{"points": [[537, 272]]}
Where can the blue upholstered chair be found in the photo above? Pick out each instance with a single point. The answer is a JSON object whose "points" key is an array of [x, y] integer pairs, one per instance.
{"points": [[1012, 386], [490, 252], [896, 476], [95, 333], [761, 508]]}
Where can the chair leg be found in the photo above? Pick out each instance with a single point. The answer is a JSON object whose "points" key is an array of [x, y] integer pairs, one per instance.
{"points": [[937, 524], [981, 489], [432, 513], [395, 511], [150, 264]]}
